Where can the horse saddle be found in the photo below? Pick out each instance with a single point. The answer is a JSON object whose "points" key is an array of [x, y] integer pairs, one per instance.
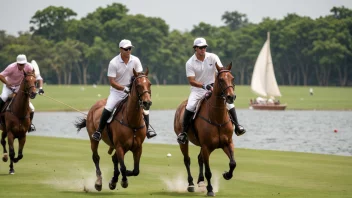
{"points": [[8, 102], [117, 109]]}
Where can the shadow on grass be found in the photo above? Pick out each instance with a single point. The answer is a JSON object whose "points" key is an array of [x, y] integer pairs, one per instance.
{"points": [[177, 194], [95, 193], [116, 193]]}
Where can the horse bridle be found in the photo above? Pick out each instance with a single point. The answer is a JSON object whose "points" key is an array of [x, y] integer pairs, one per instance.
{"points": [[221, 96], [140, 102], [221, 87], [28, 88]]}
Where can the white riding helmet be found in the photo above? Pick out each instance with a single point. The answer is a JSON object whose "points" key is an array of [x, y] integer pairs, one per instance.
{"points": [[199, 42], [21, 59]]}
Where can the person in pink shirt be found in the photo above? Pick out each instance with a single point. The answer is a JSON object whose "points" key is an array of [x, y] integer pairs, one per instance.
{"points": [[12, 77]]}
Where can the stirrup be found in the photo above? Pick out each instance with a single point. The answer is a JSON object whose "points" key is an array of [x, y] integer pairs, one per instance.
{"points": [[31, 128], [151, 133], [239, 130], [96, 136], [182, 138]]}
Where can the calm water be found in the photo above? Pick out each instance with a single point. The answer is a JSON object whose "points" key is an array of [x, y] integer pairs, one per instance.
{"points": [[299, 131]]}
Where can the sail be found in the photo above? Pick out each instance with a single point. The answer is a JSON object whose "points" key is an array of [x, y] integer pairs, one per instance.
{"points": [[35, 67], [263, 79]]}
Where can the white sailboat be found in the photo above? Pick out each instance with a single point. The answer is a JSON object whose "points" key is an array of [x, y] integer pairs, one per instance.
{"points": [[264, 82]]}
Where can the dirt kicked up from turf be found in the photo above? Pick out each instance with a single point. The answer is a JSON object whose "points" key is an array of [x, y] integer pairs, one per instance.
{"points": [[78, 179], [179, 183]]}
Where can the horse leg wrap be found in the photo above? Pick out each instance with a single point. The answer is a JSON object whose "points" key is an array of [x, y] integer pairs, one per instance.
{"points": [[135, 172], [210, 188], [232, 165], [19, 157], [12, 154], [96, 158], [98, 172]]}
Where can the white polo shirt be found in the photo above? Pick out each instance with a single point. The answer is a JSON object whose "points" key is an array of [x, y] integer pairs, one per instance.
{"points": [[122, 72], [203, 71]]}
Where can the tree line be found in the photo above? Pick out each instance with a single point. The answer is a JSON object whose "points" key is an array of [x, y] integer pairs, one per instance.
{"points": [[68, 50]]}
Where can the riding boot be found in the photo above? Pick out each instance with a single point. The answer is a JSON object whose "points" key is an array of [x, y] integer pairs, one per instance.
{"points": [[187, 117], [2, 103], [103, 119], [150, 131], [32, 127], [239, 130]]}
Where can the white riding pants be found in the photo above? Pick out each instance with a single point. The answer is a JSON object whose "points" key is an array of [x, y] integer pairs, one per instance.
{"points": [[6, 92], [195, 97], [114, 98]]}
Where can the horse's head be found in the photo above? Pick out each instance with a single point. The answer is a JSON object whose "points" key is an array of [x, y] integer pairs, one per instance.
{"points": [[29, 84], [141, 87], [225, 83]]}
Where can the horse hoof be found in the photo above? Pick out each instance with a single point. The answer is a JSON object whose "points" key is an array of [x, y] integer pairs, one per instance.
{"points": [[225, 175], [112, 186], [201, 184], [98, 187], [12, 172], [211, 194], [190, 188], [124, 184], [5, 157]]}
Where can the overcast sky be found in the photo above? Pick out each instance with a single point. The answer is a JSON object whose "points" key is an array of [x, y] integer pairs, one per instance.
{"points": [[178, 14]]}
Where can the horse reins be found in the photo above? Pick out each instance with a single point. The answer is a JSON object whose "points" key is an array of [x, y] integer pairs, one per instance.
{"points": [[222, 96], [26, 92], [140, 102]]}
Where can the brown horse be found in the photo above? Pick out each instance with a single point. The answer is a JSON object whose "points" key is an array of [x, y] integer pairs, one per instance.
{"points": [[211, 129], [15, 121], [126, 132]]}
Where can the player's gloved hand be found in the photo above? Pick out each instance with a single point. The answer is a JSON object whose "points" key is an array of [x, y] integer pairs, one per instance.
{"points": [[126, 90], [41, 91], [207, 87]]}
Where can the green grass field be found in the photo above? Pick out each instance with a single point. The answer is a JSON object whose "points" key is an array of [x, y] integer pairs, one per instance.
{"points": [[57, 167], [170, 96]]}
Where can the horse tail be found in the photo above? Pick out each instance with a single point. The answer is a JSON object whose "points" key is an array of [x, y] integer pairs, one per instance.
{"points": [[80, 123]]}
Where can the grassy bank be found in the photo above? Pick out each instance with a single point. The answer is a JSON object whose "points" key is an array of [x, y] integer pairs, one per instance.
{"points": [[56, 167], [169, 97]]}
